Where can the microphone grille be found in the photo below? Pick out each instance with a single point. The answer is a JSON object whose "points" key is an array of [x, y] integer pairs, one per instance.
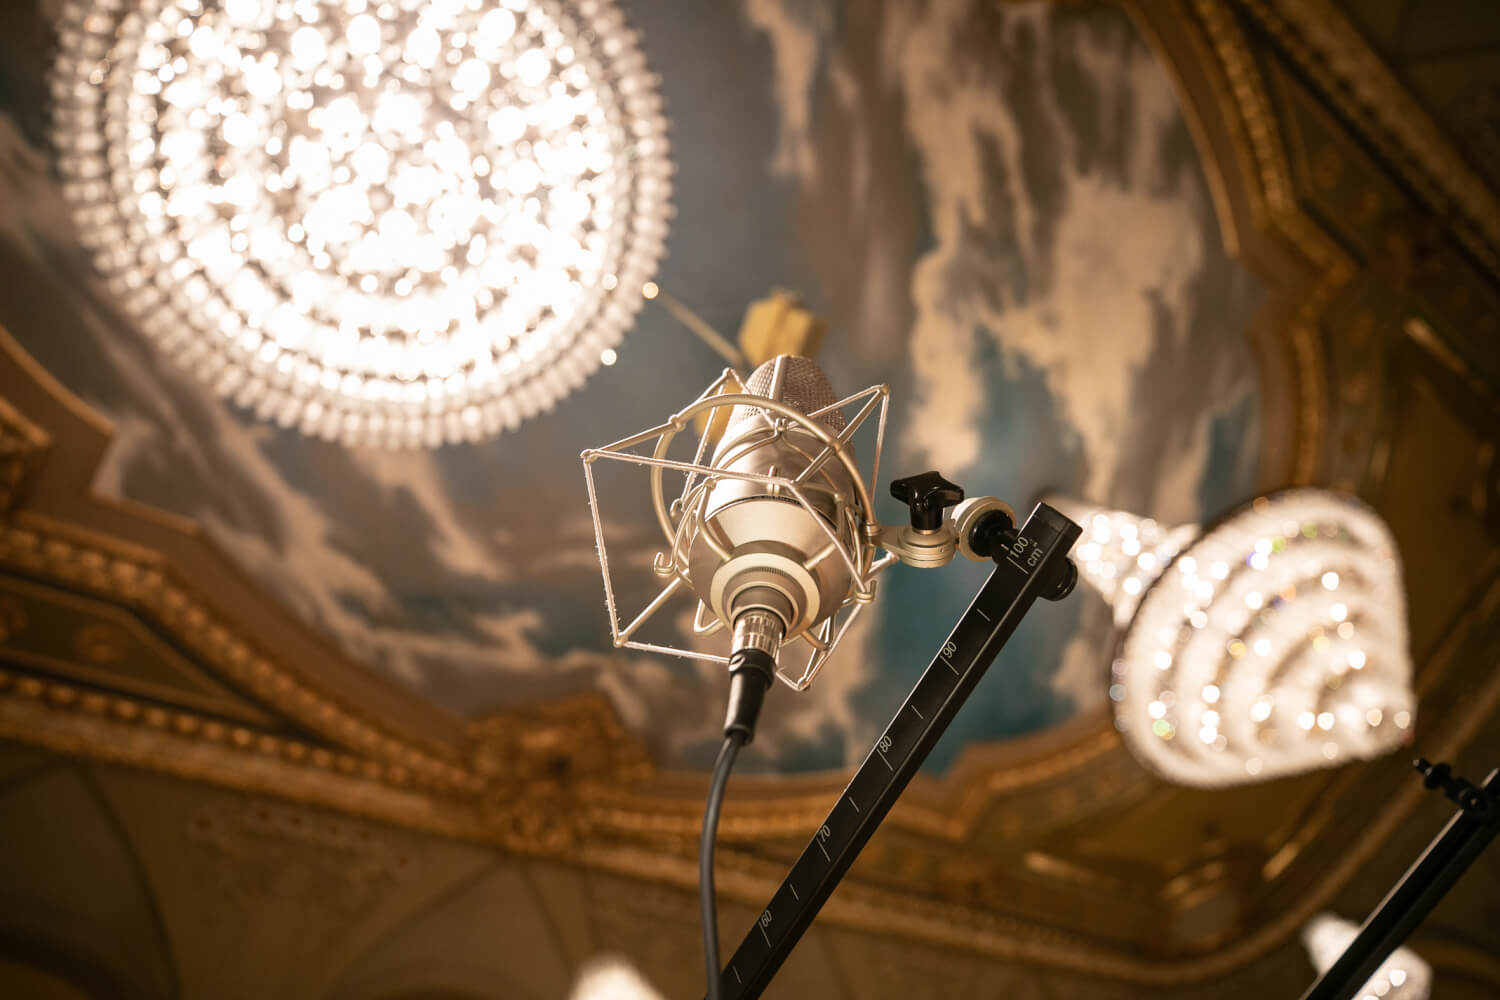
{"points": [[796, 381]]}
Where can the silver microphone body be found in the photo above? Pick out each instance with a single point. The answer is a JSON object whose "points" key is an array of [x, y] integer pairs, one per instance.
{"points": [[773, 530], [770, 553]]}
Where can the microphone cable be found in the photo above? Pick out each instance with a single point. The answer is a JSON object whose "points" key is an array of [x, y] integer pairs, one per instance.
{"points": [[727, 753], [750, 673]]}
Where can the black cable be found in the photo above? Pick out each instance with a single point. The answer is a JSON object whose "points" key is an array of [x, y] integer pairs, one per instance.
{"points": [[750, 673], [731, 748]]}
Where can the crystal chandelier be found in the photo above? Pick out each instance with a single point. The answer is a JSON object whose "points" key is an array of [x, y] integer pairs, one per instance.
{"points": [[393, 222], [1403, 976], [1270, 643]]}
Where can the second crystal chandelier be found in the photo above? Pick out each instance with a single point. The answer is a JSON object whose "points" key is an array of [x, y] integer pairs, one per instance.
{"points": [[1272, 642]]}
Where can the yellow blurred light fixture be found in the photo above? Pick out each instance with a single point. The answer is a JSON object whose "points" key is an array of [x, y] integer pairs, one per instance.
{"points": [[401, 223], [779, 324], [1272, 642], [612, 978], [776, 325]]}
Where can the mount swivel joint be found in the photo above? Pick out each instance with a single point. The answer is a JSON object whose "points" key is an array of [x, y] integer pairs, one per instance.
{"points": [[990, 534], [982, 528], [928, 541]]}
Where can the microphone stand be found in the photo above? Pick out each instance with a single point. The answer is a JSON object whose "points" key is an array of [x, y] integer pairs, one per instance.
{"points": [[1449, 855], [1030, 563]]}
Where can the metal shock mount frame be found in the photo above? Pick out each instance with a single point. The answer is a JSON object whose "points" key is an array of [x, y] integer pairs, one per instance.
{"points": [[853, 540]]}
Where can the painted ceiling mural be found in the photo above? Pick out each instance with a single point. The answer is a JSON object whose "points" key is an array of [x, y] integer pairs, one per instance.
{"points": [[997, 209]]}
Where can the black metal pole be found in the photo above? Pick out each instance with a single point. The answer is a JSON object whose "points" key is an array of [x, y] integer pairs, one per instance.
{"points": [[1031, 563], [1411, 899]]}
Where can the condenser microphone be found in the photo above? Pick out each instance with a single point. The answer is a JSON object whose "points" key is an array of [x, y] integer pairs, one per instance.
{"points": [[761, 550], [773, 531], [761, 560]]}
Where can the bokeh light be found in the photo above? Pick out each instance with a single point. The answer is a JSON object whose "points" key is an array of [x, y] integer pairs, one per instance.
{"points": [[1273, 642], [394, 223], [1404, 975]]}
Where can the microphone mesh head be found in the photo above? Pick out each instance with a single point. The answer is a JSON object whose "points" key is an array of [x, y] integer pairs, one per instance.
{"points": [[796, 381]]}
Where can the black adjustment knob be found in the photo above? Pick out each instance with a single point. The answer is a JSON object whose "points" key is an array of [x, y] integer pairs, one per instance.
{"points": [[928, 494], [994, 535], [1477, 801], [1061, 581]]}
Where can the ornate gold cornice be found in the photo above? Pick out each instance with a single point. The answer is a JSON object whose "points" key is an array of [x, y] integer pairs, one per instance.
{"points": [[1328, 46], [22, 445], [83, 721], [35, 546]]}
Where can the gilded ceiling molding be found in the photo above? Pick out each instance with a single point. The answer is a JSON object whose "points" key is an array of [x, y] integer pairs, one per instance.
{"points": [[544, 769], [33, 546], [163, 565], [85, 722], [22, 446], [1324, 42], [1081, 754]]}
